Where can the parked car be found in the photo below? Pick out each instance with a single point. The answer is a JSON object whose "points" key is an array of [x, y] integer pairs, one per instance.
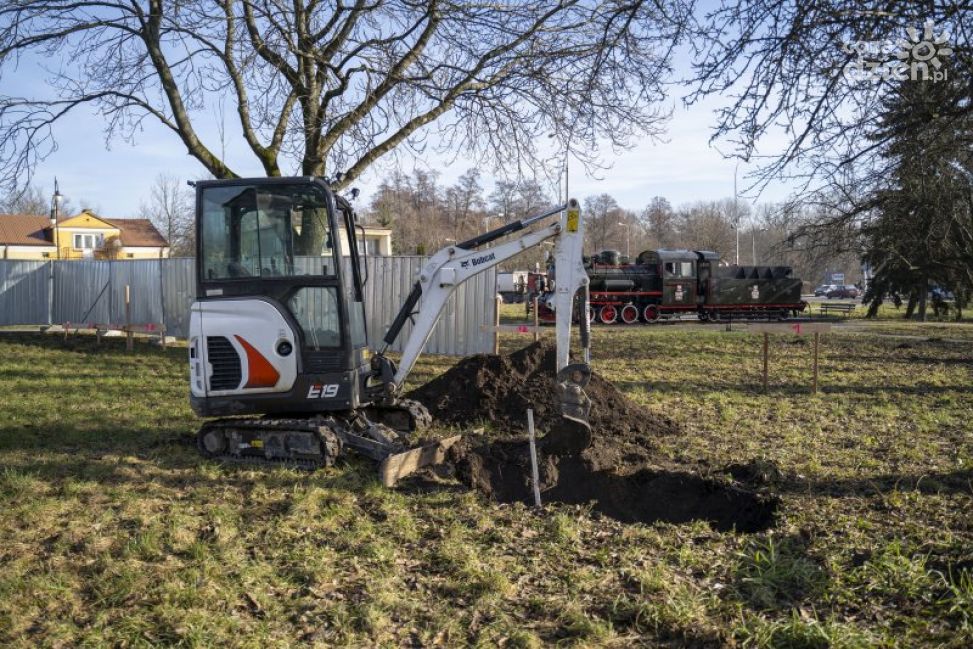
{"points": [[822, 290], [844, 292]]}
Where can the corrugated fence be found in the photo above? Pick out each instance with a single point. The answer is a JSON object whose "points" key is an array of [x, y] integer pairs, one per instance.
{"points": [[162, 291]]}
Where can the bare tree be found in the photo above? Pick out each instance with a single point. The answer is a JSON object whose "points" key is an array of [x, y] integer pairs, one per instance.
{"points": [[658, 220], [332, 86], [30, 200], [817, 72], [603, 216], [170, 208]]}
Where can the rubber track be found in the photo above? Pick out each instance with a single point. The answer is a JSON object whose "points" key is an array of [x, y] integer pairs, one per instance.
{"points": [[329, 440]]}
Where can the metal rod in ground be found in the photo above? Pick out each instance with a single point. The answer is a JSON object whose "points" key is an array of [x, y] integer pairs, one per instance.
{"points": [[535, 478]]}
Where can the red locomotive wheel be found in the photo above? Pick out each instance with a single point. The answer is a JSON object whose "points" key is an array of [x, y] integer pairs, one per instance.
{"points": [[608, 314], [650, 313], [630, 314]]}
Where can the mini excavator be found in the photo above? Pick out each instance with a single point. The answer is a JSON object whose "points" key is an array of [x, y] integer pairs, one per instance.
{"points": [[278, 349]]}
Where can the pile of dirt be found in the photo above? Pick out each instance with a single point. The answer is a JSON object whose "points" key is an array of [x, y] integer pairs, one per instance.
{"points": [[617, 473], [500, 389]]}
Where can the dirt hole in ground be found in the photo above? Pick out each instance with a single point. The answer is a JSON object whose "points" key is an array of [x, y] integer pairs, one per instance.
{"points": [[619, 473]]}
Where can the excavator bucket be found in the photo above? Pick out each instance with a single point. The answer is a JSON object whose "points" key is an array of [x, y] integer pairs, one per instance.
{"points": [[399, 465], [573, 434]]}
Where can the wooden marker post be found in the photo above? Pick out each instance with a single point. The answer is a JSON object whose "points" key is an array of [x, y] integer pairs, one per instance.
{"points": [[534, 474], [129, 341], [537, 322], [766, 350], [496, 324], [814, 387], [797, 328]]}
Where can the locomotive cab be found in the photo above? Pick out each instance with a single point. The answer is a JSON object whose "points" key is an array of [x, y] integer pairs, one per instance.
{"points": [[679, 280]]}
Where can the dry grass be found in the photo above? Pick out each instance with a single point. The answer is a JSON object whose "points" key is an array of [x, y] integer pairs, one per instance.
{"points": [[114, 533]]}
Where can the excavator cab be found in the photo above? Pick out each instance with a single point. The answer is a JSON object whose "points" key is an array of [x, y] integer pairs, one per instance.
{"points": [[279, 321]]}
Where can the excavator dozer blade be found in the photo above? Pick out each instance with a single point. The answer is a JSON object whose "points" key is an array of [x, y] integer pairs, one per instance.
{"points": [[399, 465], [573, 433]]}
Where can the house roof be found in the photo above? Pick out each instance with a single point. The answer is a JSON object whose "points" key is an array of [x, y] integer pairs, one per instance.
{"points": [[138, 232], [33, 230], [24, 230]]}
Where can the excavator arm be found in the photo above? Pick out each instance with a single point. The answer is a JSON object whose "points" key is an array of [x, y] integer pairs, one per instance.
{"points": [[453, 265]]}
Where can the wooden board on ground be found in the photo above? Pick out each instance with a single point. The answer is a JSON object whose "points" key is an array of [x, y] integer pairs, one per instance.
{"points": [[400, 465]]}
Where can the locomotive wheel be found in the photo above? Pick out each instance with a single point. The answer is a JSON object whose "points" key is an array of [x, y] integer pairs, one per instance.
{"points": [[607, 314], [630, 314], [591, 314], [651, 313]]}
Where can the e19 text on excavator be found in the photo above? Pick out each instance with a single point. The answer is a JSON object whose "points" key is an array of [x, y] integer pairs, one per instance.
{"points": [[278, 350]]}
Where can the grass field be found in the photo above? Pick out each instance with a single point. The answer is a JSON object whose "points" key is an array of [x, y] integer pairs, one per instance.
{"points": [[114, 533]]}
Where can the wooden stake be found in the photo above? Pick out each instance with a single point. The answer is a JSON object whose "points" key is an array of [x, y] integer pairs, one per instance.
{"points": [[129, 341], [814, 388], [537, 322], [496, 323], [766, 336], [535, 476]]}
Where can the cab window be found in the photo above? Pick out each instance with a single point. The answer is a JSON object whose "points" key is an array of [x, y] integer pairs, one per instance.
{"points": [[265, 231], [679, 268]]}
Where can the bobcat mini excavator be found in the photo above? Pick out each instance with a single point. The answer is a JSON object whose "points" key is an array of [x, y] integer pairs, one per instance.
{"points": [[278, 328]]}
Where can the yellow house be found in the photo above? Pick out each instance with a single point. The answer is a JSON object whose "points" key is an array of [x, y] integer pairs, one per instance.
{"points": [[82, 236], [373, 241]]}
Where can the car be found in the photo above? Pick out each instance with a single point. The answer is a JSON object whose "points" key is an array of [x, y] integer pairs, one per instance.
{"points": [[822, 290], [847, 291]]}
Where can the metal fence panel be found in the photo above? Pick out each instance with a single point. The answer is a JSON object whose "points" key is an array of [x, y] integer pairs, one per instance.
{"points": [[24, 292], [93, 292], [82, 292], [179, 291], [458, 333]]}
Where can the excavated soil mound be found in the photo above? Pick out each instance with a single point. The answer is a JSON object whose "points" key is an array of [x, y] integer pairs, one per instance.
{"points": [[500, 389], [617, 473]]}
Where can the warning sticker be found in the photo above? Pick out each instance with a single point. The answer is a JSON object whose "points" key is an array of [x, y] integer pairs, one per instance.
{"points": [[574, 217]]}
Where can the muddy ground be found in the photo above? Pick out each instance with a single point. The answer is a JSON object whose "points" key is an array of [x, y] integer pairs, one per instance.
{"points": [[619, 474]]}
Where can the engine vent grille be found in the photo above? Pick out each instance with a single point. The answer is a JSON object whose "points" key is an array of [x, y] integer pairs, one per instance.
{"points": [[227, 373], [317, 362]]}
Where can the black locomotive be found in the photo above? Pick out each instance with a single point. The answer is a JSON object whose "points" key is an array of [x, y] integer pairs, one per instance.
{"points": [[664, 283]]}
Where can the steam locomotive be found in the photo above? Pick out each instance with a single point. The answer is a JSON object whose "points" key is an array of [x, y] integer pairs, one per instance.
{"points": [[665, 283]]}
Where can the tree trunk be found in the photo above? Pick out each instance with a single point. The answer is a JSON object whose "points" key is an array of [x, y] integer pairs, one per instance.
{"points": [[923, 294], [911, 306], [873, 308]]}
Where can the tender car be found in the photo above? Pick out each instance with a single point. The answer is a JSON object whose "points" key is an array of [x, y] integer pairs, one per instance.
{"points": [[822, 290], [844, 292]]}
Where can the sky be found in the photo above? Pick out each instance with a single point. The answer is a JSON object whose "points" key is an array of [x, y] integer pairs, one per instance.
{"points": [[114, 177]]}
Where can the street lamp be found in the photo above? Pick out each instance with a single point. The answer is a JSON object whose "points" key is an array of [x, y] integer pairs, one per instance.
{"points": [[753, 242], [55, 209], [736, 211], [628, 231]]}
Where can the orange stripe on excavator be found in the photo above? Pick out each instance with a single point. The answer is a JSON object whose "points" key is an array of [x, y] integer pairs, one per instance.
{"points": [[261, 373]]}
